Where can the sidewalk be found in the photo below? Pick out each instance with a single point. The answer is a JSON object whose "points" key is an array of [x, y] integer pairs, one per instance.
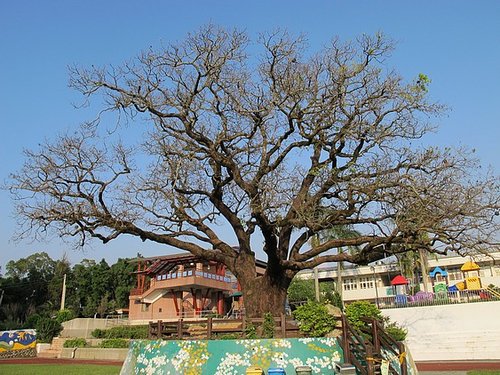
{"points": [[455, 367]]}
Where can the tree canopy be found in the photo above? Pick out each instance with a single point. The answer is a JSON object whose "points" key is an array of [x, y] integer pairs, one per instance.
{"points": [[32, 288], [281, 143]]}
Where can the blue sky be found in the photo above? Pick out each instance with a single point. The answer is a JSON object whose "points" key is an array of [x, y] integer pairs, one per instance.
{"points": [[456, 43]]}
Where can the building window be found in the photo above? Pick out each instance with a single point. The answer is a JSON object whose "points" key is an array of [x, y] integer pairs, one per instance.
{"points": [[455, 275], [366, 283], [145, 307], [160, 310], [350, 284]]}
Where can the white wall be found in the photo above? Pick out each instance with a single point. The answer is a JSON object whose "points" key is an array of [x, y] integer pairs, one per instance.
{"points": [[469, 331]]}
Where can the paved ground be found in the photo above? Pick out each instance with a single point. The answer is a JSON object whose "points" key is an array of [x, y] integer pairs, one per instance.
{"points": [[41, 361]]}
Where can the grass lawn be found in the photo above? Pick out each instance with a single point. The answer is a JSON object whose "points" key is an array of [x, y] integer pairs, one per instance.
{"points": [[75, 369], [483, 372]]}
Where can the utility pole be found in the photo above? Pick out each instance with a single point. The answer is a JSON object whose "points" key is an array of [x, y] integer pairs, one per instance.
{"points": [[1, 297], [63, 296]]}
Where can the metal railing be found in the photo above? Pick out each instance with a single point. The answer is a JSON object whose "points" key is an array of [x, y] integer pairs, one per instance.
{"points": [[436, 299], [191, 273]]}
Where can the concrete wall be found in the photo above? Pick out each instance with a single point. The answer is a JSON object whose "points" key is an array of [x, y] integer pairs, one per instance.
{"points": [[451, 332], [83, 327], [95, 353]]}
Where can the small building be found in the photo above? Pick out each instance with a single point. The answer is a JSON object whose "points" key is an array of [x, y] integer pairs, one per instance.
{"points": [[183, 285]]}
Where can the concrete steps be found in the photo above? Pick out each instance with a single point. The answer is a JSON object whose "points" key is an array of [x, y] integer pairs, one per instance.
{"points": [[55, 349]]}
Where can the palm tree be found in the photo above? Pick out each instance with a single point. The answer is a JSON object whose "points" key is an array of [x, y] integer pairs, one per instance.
{"points": [[415, 260]]}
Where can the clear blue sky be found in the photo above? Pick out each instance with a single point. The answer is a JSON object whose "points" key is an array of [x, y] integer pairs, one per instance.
{"points": [[456, 43]]}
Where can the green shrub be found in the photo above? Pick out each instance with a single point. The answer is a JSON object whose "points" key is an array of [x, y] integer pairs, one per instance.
{"points": [[32, 320], [229, 336], [75, 343], [114, 343], [361, 309], [268, 326], [65, 315], [47, 329], [336, 300], [394, 330], [314, 319], [250, 331], [122, 332], [98, 333]]}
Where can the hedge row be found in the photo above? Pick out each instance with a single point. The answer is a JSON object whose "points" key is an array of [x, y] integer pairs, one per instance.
{"points": [[122, 332]]}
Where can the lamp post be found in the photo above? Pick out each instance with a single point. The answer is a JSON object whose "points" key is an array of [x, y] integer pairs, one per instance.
{"points": [[375, 285]]}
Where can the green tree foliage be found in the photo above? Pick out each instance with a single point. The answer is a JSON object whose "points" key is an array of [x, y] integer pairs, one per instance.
{"points": [[302, 290], [33, 285], [122, 279], [64, 315], [314, 319]]}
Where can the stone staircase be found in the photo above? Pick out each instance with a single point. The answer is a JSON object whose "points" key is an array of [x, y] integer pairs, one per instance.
{"points": [[55, 349]]}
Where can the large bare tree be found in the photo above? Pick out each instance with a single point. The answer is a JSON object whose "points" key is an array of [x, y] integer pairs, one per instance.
{"points": [[278, 144]]}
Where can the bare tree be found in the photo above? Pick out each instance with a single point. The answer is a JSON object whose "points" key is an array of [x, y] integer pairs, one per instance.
{"points": [[280, 145]]}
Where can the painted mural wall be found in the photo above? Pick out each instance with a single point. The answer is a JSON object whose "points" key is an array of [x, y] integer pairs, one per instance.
{"points": [[20, 343], [228, 357], [234, 357]]}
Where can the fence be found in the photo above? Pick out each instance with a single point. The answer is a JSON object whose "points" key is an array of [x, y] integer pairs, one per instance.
{"points": [[441, 298], [207, 328]]}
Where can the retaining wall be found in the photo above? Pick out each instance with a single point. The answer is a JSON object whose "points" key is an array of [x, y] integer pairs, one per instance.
{"points": [[95, 353], [451, 332], [83, 327]]}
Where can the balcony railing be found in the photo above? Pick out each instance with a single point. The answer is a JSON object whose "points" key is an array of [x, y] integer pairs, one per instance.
{"points": [[190, 273]]}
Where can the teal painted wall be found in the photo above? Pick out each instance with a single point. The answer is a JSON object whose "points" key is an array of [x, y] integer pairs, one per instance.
{"points": [[231, 357]]}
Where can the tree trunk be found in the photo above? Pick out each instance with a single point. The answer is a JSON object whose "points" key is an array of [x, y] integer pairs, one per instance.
{"points": [[340, 266], [262, 294], [424, 268]]}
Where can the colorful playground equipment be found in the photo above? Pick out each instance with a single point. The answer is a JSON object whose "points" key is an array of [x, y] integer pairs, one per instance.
{"points": [[400, 285], [472, 280], [440, 286]]}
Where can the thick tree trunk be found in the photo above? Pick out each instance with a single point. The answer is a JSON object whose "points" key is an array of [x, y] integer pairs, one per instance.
{"points": [[262, 294]]}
